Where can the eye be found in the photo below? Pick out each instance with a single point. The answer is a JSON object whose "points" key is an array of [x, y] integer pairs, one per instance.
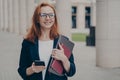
{"points": [[51, 15], [43, 15]]}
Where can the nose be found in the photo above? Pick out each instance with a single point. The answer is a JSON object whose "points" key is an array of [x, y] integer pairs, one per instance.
{"points": [[47, 17]]}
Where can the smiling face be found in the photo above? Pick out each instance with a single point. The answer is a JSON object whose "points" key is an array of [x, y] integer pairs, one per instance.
{"points": [[47, 17]]}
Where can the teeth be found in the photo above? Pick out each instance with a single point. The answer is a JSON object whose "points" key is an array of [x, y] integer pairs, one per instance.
{"points": [[47, 23]]}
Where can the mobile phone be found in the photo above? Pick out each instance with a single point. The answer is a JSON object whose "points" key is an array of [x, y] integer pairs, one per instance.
{"points": [[39, 63]]}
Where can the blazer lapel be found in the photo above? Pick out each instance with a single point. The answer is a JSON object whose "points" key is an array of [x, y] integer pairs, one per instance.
{"points": [[34, 51]]}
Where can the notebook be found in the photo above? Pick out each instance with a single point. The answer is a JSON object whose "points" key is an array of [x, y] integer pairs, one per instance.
{"points": [[56, 66]]}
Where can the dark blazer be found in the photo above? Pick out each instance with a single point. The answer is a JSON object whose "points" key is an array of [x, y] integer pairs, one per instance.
{"points": [[29, 53]]}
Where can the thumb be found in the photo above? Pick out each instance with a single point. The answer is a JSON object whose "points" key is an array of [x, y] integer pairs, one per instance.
{"points": [[60, 45]]}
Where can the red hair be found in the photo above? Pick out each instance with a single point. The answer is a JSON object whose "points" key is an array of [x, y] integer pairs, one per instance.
{"points": [[35, 30]]}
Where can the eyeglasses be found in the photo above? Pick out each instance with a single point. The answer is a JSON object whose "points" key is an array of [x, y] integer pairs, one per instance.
{"points": [[44, 15]]}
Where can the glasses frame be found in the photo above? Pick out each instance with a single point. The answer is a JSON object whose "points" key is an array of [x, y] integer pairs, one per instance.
{"points": [[44, 15]]}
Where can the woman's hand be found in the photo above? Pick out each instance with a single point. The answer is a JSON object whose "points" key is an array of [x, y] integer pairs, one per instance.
{"points": [[34, 69], [37, 69], [58, 54]]}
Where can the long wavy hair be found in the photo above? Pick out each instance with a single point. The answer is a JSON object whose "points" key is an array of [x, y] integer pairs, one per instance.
{"points": [[35, 30]]}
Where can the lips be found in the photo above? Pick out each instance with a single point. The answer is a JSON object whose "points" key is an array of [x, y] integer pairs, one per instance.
{"points": [[48, 23]]}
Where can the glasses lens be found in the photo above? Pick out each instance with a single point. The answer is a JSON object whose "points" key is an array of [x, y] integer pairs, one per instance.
{"points": [[44, 15], [51, 15]]}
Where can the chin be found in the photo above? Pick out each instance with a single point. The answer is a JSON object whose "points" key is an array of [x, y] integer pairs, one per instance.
{"points": [[48, 27]]}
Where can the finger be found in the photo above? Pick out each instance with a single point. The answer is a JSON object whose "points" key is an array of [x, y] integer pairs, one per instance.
{"points": [[55, 49], [33, 64], [60, 45], [53, 56], [54, 53], [41, 67]]}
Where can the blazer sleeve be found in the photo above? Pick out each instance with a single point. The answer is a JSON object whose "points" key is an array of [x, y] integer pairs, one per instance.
{"points": [[24, 60], [72, 70]]}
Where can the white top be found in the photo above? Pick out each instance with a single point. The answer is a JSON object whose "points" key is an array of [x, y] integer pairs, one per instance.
{"points": [[45, 50]]}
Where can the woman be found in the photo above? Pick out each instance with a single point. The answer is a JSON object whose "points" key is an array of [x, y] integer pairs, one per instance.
{"points": [[39, 44]]}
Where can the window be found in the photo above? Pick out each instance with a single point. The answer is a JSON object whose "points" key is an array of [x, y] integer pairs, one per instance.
{"points": [[87, 17], [73, 21], [74, 11]]}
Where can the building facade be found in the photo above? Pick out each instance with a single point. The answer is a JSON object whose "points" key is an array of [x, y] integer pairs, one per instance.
{"points": [[83, 15], [16, 14]]}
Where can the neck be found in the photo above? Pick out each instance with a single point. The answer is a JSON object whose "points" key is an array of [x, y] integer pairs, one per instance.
{"points": [[45, 35]]}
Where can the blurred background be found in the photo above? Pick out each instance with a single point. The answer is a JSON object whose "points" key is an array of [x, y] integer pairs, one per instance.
{"points": [[93, 25]]}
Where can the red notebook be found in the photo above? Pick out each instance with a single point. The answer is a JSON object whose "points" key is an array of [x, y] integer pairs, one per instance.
{"points": [[56, 66]]}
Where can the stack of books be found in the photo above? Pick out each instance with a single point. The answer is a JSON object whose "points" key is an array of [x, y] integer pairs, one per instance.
{"points": [[56, 66]]}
